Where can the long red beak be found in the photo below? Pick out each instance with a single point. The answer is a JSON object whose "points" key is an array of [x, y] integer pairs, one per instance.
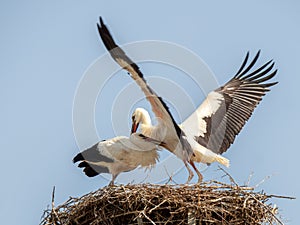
{"points": [[134, 127]]}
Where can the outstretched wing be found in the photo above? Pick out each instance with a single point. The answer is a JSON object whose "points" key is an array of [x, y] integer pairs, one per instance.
{"points": [[225, 111], [158, 106]]}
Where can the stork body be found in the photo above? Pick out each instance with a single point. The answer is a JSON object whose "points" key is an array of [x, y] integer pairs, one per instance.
{"points": [[201, 154], [119, 154]]}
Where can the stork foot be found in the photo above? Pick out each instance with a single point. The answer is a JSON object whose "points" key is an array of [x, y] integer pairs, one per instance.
{"points": [[191, 175], [112, 183], [200, 178]]}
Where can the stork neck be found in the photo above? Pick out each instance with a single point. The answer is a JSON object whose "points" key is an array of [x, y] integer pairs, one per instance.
{"points": [[146, 124], [146, 120]]}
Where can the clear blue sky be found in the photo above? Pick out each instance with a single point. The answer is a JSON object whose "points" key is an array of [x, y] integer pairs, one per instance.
{"points": [[45, 47]]}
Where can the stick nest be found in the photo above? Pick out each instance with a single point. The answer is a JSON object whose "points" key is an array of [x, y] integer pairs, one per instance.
{"points": [[207, 203]]}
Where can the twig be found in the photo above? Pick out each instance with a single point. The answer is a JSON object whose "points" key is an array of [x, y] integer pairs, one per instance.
{"points": [[249, 179], [53, 211], [280, 196], [230, 177], [263, 180], [157, 206], [143, 212], [53, 193]]}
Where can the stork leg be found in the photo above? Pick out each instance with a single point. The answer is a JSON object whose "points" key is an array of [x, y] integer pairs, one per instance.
{"points": [[200, 177], [191, 174], [112, 183]]}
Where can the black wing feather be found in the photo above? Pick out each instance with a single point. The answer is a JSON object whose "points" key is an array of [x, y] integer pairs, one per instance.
{"points": [[91, 154], [92, 170], [114, 50]]}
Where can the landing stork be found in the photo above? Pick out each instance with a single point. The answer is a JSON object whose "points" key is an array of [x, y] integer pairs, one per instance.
{"points": [[212, 128]]}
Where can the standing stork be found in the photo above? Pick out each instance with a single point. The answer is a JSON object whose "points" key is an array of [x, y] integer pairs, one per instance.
{"points": [[118, 154], [212, 128]]}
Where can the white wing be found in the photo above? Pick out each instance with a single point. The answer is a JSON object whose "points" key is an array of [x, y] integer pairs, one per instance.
{"points": [[225, 111]]}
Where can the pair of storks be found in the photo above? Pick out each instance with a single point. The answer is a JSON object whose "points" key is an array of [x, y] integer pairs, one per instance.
{"points": [[202, 137]]}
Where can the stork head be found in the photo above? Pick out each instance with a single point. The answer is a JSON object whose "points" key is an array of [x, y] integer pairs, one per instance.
{"points": [[140, 115]]}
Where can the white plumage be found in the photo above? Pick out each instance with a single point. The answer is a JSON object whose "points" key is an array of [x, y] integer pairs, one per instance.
{"points": [[119, 154], [195, 124]]}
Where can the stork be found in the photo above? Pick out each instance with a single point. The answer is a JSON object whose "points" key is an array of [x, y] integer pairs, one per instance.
{"points": [[118, 154], [212, 128]]}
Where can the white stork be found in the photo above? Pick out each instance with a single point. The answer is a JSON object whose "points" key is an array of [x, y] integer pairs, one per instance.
{"points": [[212, 128], [119, 154]]}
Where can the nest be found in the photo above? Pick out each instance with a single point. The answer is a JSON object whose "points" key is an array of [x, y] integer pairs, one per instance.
{"points": [[207, 203]]}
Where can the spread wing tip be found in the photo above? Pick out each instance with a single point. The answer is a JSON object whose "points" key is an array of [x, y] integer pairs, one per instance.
{"points": [[242, 71], [115, 51], [260, 75], [101, 21], [105, 35], [241, 96]]}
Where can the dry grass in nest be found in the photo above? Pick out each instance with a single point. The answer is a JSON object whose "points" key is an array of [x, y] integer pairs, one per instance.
{"points": [[207, 203]]}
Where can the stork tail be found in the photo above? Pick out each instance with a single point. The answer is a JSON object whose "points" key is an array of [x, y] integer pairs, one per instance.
{"points": [[222, 160]]}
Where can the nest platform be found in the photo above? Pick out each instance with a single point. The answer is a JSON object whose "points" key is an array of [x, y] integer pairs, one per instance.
{"points": [[142, 204]]}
